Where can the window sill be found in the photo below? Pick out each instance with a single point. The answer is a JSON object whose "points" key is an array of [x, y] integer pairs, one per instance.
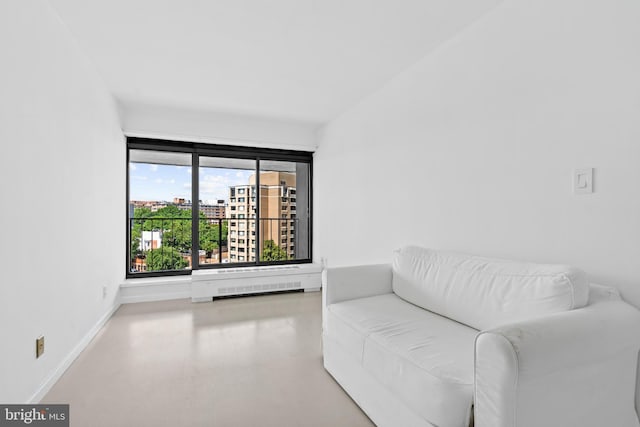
{"points": [[249, 272]]}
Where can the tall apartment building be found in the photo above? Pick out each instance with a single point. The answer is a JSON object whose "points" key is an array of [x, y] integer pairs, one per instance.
{"points": [[277, 215]]}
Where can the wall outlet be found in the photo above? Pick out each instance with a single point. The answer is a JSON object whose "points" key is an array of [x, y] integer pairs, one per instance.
{"points": [[39, 346], [583, 181]]}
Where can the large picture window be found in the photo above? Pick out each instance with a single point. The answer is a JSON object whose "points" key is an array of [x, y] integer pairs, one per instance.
{"points": [[247, 207]]}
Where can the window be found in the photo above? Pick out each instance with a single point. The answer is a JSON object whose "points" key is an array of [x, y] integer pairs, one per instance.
{"points": [[178, 190], [159, 212]]}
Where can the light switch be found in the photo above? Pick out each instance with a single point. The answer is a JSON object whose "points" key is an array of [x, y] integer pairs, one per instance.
{"points": [[583, 181]]}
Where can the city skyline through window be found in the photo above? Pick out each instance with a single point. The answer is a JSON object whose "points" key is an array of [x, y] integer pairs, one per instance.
{"points": [[164, 183], [247, 209]]}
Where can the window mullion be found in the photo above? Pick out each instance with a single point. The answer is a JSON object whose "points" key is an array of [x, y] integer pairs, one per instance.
{"points": [[195, 212], [258, 245]]}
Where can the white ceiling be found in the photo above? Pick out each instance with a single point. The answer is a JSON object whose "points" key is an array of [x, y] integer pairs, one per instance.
{"points": [[298, 60]]}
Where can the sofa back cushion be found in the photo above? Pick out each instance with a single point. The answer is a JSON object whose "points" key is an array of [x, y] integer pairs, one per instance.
{"points": [[484, 292]]}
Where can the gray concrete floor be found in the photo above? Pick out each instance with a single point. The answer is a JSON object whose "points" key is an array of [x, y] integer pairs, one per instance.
{"points": [[254, 361]]}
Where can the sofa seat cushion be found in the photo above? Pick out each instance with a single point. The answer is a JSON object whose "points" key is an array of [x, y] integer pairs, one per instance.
{"points": [[423, 358]]}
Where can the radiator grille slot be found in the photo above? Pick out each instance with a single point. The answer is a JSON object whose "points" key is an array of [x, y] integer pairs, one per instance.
{"points": [[256, 269], [265, 287]]}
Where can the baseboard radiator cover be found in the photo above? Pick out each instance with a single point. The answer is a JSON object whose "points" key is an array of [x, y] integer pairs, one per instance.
{"points": [[206, 285]]}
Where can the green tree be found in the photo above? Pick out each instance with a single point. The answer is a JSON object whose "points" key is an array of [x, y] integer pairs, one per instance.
{"points": [[272, 252], [142, 213], [178, 234], [136, 235], [141, 219], [209, 236], [137, 225], [176, 227], [172, 211], [165, 258], [209, 242]]}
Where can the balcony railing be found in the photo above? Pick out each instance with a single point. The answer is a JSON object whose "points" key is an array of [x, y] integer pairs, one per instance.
{"points": [[165, 243]]}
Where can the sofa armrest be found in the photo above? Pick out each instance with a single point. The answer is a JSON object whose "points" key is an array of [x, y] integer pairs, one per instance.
{"points": [[346, 283], [567, 369]]}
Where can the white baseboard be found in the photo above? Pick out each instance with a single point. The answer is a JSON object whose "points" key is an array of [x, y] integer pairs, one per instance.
{"points": [[160, 289], [84, 342]]}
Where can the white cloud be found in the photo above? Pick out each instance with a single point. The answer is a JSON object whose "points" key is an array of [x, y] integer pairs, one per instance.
{"points": [[139, 177], [153, 168], [132, 166], [164, 181], [216, 186]]}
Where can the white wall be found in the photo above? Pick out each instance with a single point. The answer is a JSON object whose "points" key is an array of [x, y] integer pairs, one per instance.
{"points": [[182, 124], [473, 148], [62, 178]]}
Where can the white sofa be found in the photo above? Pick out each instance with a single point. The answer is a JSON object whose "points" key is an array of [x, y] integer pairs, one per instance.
{"points": [[441, 339]]}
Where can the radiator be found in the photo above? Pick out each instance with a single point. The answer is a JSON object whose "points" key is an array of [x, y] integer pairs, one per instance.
{"points": [[207, 284]]}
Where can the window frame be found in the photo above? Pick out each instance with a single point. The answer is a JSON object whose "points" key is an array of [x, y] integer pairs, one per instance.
{"points": [[197, 149]]}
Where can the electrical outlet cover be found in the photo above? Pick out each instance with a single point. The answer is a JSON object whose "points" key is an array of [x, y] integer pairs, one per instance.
{"points": [[39, 346]]}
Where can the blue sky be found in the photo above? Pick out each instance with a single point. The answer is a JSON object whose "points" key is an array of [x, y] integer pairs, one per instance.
{"points": [[164, 182]]}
